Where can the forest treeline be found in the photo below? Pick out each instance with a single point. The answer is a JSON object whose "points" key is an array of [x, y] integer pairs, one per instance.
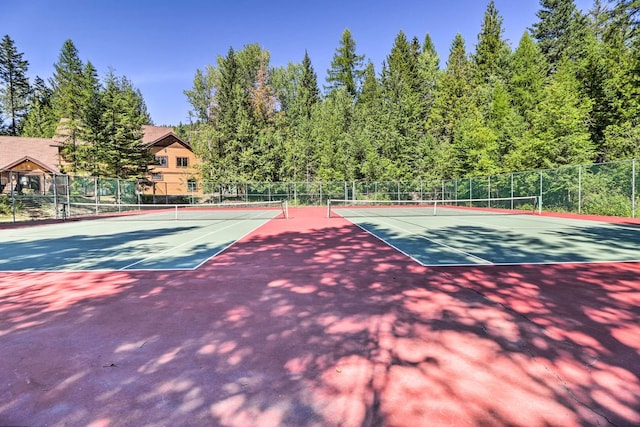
{"points": [[568, 93]]}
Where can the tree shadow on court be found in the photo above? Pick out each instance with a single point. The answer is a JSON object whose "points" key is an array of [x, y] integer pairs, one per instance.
{"points": [[472, 244], [318, 323], [86, 251]]}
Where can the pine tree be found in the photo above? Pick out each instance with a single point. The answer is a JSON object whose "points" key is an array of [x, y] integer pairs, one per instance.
{"points": [[309, 92], [454, 92], [40, 121], [120, 149], [88, 155], [243, 104], [375, 134], [67, 84], [307, 103], [401, 74], [346, 67], [560, 31], [14, 84], [527, 81], [404, 107], [491, 56], [622, 86], [560, 125], [626, 13], [334, 154], [428, 71], [453, 102]]}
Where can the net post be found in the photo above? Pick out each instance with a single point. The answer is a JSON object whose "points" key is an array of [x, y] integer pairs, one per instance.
{"points": [[328, 208], [435, 207], [539, 204], [176, 212]]}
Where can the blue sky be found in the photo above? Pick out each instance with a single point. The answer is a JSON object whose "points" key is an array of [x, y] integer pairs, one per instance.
{"points": [[159, 44]]}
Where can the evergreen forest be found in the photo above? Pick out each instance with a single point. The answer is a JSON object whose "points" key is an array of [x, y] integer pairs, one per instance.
{"points": [[567, 93]]}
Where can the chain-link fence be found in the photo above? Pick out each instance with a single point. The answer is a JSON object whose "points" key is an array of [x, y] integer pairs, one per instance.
{"points": [[599, 189]]}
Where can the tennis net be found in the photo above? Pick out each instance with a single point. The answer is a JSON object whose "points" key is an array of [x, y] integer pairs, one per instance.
{"points": [[403, 208], [164, 212]]}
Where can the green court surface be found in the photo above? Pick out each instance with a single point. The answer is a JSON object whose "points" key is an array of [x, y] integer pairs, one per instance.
{"points": [[477, 239], [122, 243]]}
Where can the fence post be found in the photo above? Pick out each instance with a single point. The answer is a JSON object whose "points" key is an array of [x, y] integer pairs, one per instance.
{"points": [[540, 187], [579, 189], [511, 190], [13, 200], [455, 188], [633, 188], [68, 214], [55, 197]]}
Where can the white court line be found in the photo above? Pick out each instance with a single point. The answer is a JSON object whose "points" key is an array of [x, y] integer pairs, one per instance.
{"points": [[187, 243]]}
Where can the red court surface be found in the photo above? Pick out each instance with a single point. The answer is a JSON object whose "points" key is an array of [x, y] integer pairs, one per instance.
{"points": [[312, 322]]}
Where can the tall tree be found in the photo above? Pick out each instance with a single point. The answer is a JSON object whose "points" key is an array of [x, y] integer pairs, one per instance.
{"points": [[453, 102], [346, 67], [560, 30], [309, 92], [404, 104], [368, 125], [428, 71], [622, 86], [454, 93], [627, 13], [261, 93], [492, 52], [202, 94], [120, 149], [40, 121], [14, 84], [335, 157], [307, 103], [528, 78], [401, 73], [560, 125], [243, 102], [87, 156], [67, 84]]}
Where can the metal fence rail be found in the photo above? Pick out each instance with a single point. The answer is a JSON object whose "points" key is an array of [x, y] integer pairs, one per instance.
{"points": [[599, 189]]}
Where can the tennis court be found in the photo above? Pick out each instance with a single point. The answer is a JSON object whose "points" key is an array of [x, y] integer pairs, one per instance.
{"points": [[490, 232], [132, 237], [376, 316]]}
